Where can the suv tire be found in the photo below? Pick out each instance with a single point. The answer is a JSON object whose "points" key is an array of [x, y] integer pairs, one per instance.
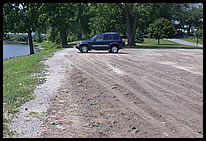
{"points": [[84, 49], [114, 49]]}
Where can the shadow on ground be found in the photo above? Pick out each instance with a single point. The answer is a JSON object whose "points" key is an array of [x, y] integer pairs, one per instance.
{"points": [[103, 53]]}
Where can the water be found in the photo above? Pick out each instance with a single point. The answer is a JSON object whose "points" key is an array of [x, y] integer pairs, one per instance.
{"points": [[14, 50]]}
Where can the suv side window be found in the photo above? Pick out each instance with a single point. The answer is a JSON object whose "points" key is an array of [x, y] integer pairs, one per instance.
{"points": [[115, 36], [107, 37], [99, 37]]}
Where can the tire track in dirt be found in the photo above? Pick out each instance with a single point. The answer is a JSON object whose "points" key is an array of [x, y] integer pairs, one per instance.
{"points": [[165, 106], [164, 81], [110, 80], [102, 96], [151, 79], [161, 71], [174, 105], [112, 106], [168, 79], [129, 104], [164, 101]]}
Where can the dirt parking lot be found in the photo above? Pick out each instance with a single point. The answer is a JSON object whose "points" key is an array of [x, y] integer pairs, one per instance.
{"points": [[137, 93], [140, 93]]}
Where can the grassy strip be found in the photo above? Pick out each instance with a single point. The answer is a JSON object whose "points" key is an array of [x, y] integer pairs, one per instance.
{"points": [[20, 77], [192, 40], [74, 43], [46, 44], [152, 43]]}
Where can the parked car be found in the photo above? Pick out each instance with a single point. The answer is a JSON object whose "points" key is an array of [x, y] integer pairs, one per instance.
{"points": [[110, 41]]}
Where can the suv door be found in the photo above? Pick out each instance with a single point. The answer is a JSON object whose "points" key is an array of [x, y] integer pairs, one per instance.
{"points": [[98, 43], [107, 40]]}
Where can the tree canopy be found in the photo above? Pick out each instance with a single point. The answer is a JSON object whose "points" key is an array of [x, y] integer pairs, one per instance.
{"points": [[60, 20]]}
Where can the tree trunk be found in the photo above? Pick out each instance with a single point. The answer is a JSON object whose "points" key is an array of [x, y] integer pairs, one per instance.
{"points": [[197, 40], [188, 30], [128, 26], [158, 41], [30, 43], [134, 28], [131, 30], [63, 37]]}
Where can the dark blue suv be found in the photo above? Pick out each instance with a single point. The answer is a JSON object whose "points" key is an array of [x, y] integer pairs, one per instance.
{"points": [[110, 41]]}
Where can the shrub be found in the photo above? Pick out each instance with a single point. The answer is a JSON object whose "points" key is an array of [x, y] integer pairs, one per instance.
{"points": [[139, 37]]}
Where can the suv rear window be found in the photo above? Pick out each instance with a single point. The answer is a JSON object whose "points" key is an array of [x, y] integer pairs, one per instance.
{"points": [[115, 36]]}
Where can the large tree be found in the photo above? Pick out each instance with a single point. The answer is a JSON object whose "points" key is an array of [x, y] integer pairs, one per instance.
{"points": [[131, 13], [59, 15], [21, 18]]}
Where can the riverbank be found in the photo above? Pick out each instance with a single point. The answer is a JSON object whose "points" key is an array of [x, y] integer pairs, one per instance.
{"points": [[13, 42], [35, 44], [20, 76], [41, 45]]}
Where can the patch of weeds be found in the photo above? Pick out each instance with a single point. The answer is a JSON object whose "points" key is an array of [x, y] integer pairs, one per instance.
{"points": [[34, 114], [13, 110], [12, 133], [5, 127]]}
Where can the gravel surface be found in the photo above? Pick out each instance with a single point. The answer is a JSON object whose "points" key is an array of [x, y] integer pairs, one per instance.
{"points": [[137, 93], [28, 123]]}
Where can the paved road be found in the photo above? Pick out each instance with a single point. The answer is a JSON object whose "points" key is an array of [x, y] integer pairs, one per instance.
{"points": [[184, 42]]}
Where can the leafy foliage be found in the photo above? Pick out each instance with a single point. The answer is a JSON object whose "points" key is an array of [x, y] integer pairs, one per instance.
{"points": [[139, 37], [21, 18], [162, 28], [68, 21], [104, 18]]}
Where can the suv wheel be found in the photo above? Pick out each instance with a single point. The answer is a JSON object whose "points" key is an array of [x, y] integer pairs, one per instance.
{"points": [[84, 49], [114, 49]]}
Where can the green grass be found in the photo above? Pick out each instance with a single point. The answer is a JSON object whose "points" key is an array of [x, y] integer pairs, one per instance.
{"points": [[47, 44], [152, 43], [193, 40], [20, 77], [74, 43]]}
